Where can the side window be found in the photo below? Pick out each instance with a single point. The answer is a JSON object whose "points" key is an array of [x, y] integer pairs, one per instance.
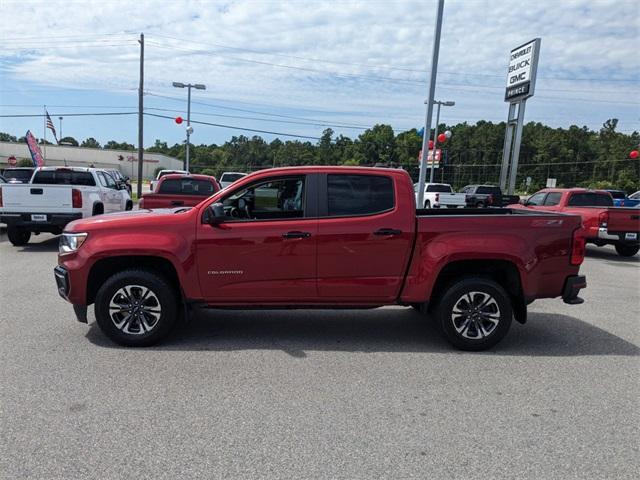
{"points": [[553, 199], [102, 179], [536, 199], [273, 199], [359, 194], [603, 200]]}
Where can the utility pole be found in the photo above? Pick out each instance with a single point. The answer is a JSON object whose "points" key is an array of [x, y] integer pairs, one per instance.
{"points": [[435, 136], [429, 115], [140, 117], [60, 118]]}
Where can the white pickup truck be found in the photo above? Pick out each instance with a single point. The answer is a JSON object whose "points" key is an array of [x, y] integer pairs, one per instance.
{"points": [[438, 195], [56, 196]]}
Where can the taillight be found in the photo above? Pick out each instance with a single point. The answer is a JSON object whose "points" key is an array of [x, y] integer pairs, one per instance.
{"points": [[603, 219], [577, 247], [490, 200], [0, 197], [76, 198], [437, 197]]}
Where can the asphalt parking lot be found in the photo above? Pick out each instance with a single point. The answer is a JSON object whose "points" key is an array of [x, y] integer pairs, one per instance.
{"points": [[319, 394]]}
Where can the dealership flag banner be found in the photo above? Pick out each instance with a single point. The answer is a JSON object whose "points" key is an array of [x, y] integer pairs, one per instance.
{"points": [[34, 149]]}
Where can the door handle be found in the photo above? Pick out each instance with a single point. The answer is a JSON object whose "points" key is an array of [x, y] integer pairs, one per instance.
{"points": [[296, 234], [387, 231], [177, 203]]}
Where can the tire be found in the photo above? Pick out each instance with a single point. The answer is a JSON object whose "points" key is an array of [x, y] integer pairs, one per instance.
{"points": [[129, 206], [427, 204], [18, 236], [156, 315], [486, 326], [626, 250], [98, 209]]}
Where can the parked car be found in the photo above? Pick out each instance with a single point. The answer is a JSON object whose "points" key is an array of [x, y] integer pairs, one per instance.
{"points": [[161, 174], [603, 224], [620, 199], [438, 195], [338, 237], [176, 190], [120, 178], [227, 178], [483, 196], [56, 196], [18, 174]]}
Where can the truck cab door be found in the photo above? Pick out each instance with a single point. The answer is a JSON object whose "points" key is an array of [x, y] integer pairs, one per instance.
{"points": [[264, 252], [365, 235]]}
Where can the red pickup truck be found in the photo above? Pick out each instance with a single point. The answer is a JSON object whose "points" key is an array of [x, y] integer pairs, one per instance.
{"points": [[180, 190], [603, 223], [319, 237]]}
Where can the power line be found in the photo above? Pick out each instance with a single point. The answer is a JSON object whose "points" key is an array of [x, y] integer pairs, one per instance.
{"points": [[95, 114], [239, 128]]}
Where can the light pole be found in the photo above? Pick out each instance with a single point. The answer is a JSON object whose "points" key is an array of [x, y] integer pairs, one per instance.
{"points": [[60, 118], [435, 134], [189, 86]]}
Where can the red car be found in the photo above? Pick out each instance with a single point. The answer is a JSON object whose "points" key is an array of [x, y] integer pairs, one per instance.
{"points": [[179, 190], [603, 223], [319, 237]]}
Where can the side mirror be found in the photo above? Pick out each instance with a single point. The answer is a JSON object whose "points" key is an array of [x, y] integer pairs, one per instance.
{"points": [[215, 214]]}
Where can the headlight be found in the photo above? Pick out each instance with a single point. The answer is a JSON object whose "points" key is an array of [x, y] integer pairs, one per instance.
{"points": [[71, 242]]}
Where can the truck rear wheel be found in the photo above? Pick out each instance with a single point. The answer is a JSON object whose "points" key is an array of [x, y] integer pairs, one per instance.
{"points": [[18, 236], [136, 308], [626, 250], [474, 313]]}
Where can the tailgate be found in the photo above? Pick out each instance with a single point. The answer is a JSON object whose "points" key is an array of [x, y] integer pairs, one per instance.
{"points": [[453, 198], [26, 198], [623, 220]]}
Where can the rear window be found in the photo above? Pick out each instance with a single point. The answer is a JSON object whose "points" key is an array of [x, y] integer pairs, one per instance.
{"points": [[483, 190], [359, 194], [21, 175], [64, 177], [187, 186], [231, 177], [439, 188], [590, 199]]}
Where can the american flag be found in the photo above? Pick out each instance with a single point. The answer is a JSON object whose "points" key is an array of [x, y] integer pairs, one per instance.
{"points": [[50, 126]]}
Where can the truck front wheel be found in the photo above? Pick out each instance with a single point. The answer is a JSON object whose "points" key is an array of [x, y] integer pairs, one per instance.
{"points": [[136, 308], [626, 250], [18, 236], [474, 313]]}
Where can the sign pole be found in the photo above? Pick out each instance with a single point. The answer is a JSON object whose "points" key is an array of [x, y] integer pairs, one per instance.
{"points": [[432, 89], [506, 149], [516, 148]]}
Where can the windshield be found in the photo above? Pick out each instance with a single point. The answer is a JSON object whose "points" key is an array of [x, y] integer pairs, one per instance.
{"points": [[439, 188], [64, 177]]}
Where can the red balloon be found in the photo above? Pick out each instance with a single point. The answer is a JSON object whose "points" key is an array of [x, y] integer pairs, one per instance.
{"points": [[178, 120], [442, 138], [634, 154], [430, 144]]}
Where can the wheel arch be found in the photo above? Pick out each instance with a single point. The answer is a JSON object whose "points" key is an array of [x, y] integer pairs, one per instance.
{"points": [[504, 272], [106, 267]]}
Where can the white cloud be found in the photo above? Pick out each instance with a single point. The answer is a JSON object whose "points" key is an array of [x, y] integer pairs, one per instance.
{"points": [[71, 44]]}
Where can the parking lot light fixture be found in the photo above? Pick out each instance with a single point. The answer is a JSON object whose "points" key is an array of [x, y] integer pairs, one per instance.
{"points": [[189, 86]]}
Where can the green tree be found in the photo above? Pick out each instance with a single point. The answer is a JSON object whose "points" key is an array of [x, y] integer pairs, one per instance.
{"points": [[90, 143], [69, 140]]}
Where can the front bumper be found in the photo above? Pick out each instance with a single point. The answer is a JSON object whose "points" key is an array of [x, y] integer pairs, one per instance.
{"points": [[572, 287], [64, 286]]}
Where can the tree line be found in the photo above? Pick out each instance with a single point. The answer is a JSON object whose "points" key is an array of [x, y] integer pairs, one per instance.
{"points": [[575, 156]]}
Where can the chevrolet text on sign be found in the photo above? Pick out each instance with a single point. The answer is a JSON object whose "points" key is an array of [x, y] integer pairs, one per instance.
{"points": [[523, 63]]}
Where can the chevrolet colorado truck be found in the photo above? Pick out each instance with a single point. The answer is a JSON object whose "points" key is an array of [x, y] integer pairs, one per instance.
{"points": [[178, 190], [603, 224], [319, 237], [56, 196]]}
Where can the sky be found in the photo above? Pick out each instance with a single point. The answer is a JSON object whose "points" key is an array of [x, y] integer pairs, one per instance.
{"points": [[298, 67]]}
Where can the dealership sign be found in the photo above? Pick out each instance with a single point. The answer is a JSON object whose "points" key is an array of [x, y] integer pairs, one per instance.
{"points": [[521, 73]]}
